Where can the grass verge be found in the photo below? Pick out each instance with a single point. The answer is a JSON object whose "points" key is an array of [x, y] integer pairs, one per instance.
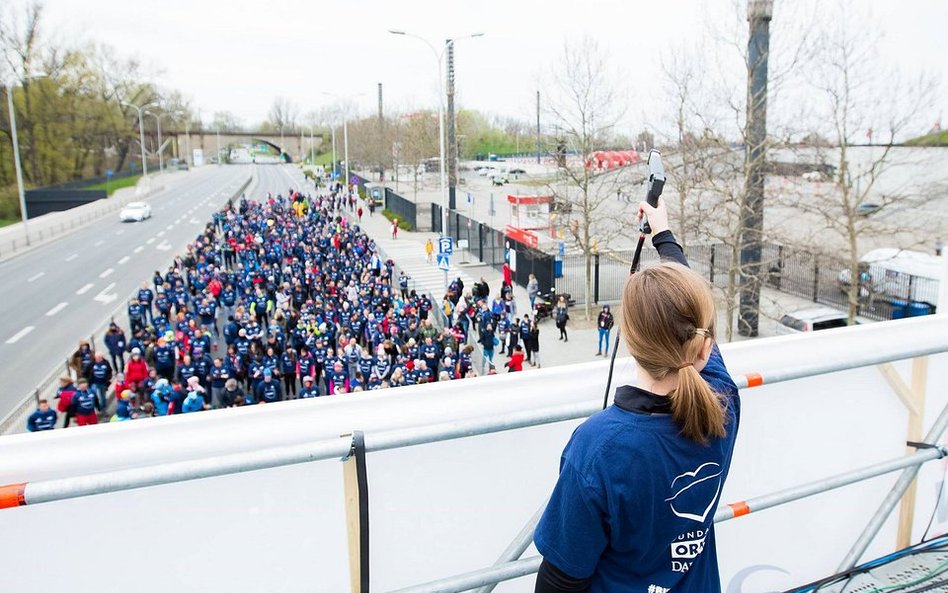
{"points": [[402, 224], [115, 184]]}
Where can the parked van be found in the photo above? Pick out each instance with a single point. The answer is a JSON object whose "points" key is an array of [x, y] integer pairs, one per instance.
{"points": [[899, 274], [814, 319]]}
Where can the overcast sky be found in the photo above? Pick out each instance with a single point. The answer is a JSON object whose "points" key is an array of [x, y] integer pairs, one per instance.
{"points": [[237, 55]]}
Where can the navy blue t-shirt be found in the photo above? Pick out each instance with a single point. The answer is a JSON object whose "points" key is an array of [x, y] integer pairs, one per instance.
{"points": [[634, 504]]}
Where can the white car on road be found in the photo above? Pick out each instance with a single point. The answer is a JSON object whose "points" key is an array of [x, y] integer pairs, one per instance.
{"points": [[135, 211]]}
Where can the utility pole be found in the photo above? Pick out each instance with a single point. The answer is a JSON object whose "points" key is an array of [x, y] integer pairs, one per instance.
{"points": [[452, 130], [759, 14], [538, 127]]}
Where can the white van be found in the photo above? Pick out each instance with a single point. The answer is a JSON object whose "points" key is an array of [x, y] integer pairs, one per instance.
{"points": [[898, 274]]}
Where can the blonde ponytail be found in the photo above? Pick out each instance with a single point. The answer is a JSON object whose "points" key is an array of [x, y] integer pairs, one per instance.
{"points": [[697, 410]]}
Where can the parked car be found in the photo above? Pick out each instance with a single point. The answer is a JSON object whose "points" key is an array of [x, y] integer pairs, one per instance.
{"points": [[807, 320], [135, 211], [867, 208], [498, 179], [517, 172]]}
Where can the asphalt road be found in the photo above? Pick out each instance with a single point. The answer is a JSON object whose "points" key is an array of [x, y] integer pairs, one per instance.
{"points": [[68, 289]]}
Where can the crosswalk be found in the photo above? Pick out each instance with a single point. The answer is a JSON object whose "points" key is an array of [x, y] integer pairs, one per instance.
{"points": [[425, 278]]}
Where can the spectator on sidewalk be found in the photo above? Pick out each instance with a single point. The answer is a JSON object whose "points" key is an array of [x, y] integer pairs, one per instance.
{"points": [[394, 228], [508, 275], [533, 289], [561, 314], [605, 324], [535, 342], [43, 418], [429, 250], [515, 364]]}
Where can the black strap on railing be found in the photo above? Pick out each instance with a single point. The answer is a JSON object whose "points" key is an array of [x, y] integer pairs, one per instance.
{"points": [[357, 512]]}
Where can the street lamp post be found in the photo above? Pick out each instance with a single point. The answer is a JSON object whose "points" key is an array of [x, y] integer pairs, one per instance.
{"points": [[345, 137], [439, 58], [157, 116], [141, 132], [16, 162]]}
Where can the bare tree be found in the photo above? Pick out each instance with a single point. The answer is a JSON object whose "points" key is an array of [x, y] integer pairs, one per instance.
{"points": [[861, 101], [283, 115], [585, 106]]}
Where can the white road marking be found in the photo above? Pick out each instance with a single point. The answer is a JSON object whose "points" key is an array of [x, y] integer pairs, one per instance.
{"points": [[104, 297], [36, 276], [97, 243], [138, 249], [16, 337], [72, 257], [124, 260], [56, 309], [120, 231], [163, 246], [84, 289], [106, 273], [161, 234], [169, 227], [150, 241]]}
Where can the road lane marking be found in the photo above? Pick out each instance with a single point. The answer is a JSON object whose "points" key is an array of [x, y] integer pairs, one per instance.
{"points": [[72, 257], [97, 243], [124, 260], [16, 337], [150, 241], [138, 249], [106, 273], [56, 309], [36, 276], [120, 231], [169, 227], [161, 233], [104, 296], [84, 289]]}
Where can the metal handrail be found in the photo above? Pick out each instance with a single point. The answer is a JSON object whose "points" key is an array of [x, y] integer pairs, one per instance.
{"points": [[166, 473], [518, 568]]}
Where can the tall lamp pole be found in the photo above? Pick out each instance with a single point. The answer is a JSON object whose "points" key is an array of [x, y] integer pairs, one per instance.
{"points": [[16, 162], [439, 57], [141, 132], [161, 162]]}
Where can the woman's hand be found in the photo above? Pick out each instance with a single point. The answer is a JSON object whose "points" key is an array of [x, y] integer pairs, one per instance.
{"points": [[657, 217]]}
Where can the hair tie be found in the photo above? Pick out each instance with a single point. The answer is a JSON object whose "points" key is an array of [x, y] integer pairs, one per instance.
{"points": [[683, 365], [701, 331]]}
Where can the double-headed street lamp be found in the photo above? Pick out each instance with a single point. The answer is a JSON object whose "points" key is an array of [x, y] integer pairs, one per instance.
{"points": [[157, 117], [141, 132], [439, 58]]}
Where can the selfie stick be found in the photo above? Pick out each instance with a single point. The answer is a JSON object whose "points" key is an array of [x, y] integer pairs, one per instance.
{"points": [[654, 186]]}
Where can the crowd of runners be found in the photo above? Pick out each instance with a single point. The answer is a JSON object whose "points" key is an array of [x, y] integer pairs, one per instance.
{"points": [[281, 299]]}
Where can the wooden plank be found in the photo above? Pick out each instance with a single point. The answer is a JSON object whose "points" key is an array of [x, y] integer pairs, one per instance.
{"points": [[350, 482], [914, 433]]}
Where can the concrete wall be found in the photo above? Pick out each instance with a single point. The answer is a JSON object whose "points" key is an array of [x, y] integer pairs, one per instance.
{"points": [[449, 507]]}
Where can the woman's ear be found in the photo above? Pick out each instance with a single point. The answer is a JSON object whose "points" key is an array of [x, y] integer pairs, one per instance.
{"points": [[706, 348]]}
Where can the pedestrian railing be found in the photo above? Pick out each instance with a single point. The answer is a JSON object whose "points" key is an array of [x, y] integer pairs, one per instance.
{"points": [[856, 348]]}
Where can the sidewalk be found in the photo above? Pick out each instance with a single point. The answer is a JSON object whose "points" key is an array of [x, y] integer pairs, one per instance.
{"points": [[408, 252]]}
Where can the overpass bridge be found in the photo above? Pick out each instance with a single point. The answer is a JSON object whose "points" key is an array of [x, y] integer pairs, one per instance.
{"points": [[294, 145]]}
